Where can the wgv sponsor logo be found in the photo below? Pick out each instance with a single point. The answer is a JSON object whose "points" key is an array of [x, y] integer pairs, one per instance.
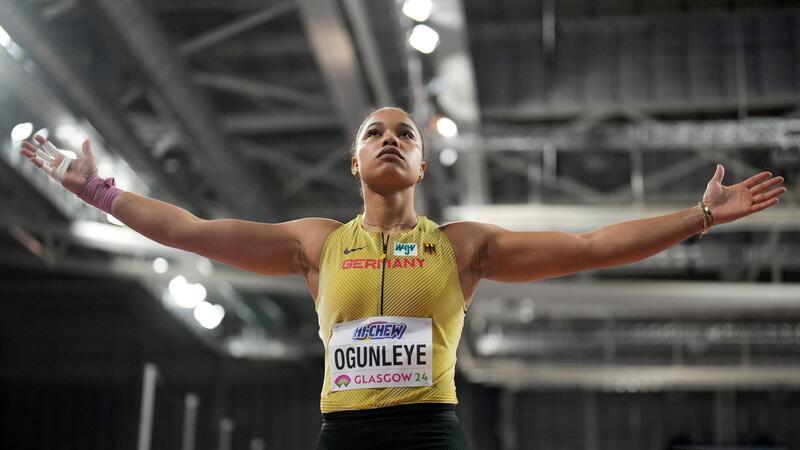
{"points": [[379, 330], [403, 249]]}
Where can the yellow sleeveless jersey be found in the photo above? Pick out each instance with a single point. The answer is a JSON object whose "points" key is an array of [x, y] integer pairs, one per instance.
{"points": [[409, 275]]}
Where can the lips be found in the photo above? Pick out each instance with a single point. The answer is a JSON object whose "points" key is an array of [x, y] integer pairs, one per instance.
{"points": [[390, 150]]}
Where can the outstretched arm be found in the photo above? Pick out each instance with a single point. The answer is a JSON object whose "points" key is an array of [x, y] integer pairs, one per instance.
{"points": [[505, 255], [273, 249], [288, 248]]}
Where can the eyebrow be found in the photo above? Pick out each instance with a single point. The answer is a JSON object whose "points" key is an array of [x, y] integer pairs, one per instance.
{"points": [[381, 123]]}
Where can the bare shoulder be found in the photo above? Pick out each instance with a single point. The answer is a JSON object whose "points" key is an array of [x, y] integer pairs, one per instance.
{"points": [[468, 239], [468, 233], [312, 232], [314, 225]]}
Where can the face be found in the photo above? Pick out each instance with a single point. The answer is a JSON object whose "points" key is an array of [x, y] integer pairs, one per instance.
{"points": [[388, 151]]}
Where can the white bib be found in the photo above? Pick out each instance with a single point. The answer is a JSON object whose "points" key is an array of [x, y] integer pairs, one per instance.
{"points": [[381, 352]]}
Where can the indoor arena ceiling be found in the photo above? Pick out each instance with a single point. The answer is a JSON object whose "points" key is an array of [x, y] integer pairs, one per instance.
{"points": [[571, 114]]}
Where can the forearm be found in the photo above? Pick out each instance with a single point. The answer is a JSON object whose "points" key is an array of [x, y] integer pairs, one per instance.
{"points": [[635, 240], [162, 222]]}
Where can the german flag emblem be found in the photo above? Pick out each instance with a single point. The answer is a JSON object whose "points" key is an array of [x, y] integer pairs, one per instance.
{"points": [[429, 248]]}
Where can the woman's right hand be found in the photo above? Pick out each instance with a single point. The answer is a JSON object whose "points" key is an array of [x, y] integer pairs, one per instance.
{"points": [[79, 170]]}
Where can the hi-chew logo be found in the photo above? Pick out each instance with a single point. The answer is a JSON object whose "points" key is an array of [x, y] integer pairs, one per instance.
{"points": [[404, 249], [379, 330], [342, 380]]}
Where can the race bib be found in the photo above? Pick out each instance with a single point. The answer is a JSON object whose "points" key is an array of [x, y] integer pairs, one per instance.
{"points": [[381, 352]]}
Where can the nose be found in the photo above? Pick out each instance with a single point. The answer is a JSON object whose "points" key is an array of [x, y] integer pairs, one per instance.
{"points": [[389, 139]]}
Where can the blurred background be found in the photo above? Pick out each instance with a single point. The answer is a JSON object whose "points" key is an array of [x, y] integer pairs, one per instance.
{"points": [[539, 114]]}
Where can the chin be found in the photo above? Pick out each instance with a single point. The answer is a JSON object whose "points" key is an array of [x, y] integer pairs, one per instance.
{"points": [[389, 182]]}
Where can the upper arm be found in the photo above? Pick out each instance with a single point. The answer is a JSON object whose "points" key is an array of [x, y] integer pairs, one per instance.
{"points": [[288, 248], [504, 255]]}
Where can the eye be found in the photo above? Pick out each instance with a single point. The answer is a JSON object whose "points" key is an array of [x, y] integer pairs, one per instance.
{"points": [[372, 132], [407, 134]]}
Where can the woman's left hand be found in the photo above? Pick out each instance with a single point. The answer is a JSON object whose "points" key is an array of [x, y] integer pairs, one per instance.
{"points": [[728, 203]]}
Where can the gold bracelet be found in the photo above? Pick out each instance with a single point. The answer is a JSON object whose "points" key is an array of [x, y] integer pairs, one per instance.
{"points": [[707, 218]]}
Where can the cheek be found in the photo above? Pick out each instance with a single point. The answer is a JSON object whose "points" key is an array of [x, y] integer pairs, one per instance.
{"points": [[417, 155]]}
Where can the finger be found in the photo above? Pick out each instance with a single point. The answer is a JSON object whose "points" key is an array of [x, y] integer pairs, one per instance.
{"points": [[719, 174], [42, 147], [29, 146], [44, 156], [36, 156], [768, 195], [764, 205], [761, 187], [86, 148], [36, 161], [51, 149], [755, 179]]}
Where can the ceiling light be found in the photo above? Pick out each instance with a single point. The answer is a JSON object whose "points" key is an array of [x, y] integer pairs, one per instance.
{"points": [[5, 39], [21, 131], [160, 265], [209, 316], [448, 157], [446, 127], [424, 39], [176, 284], [418, 10], [204, 266], [185, 294]]}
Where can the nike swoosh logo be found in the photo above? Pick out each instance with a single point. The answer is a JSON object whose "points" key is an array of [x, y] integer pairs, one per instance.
{"points": [[347, 251]]}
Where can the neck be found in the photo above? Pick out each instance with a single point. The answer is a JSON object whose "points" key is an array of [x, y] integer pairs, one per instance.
{"points": [[391, 212]]}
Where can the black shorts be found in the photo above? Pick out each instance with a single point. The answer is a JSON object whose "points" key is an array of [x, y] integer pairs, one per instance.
{"points": [[429, 426]]}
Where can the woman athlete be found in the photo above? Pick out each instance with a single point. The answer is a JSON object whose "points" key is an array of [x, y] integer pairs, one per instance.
{"points": [[391, 287]]}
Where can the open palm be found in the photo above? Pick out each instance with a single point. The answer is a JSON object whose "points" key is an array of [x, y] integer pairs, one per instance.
{"points": [[729, 203], [79, 170]]}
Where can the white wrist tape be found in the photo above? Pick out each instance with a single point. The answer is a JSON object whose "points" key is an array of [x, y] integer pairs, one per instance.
{"points": [[47, 152]]}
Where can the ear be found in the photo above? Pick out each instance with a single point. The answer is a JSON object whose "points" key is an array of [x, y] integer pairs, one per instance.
{"points": [[423, 166], [354, 167]]}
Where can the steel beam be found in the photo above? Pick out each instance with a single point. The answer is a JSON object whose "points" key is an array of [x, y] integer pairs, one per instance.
{"points": [[336, 56], [303, 179], [365, 40], [258, 123], [637, 299], [102, 113], [664, 176], [702, 136], [285, 160], [247, 22], [459, 96], [588, 217], [630, 378], [262, 46], [153, 50], [259, 90], [548, 113], [561, 183]]}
